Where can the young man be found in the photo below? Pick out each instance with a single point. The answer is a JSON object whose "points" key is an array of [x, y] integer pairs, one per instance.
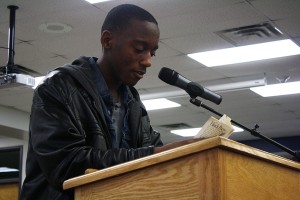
{"points": [[88, 114]]}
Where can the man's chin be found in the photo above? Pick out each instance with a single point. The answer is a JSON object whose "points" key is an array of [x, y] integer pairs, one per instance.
{"points": [[131, 82]]}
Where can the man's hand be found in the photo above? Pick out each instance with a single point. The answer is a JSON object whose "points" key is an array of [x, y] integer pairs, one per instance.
{"points": [[175, 144]]}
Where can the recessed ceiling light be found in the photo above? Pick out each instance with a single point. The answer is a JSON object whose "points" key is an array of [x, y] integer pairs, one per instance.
{"points": [[55, 27], [190, 132], [278, 89], [247, 53], [162, 103]]}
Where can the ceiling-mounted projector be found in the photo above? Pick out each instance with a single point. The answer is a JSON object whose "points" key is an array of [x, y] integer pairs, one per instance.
{"points": [[15, 80], [13, 75]]}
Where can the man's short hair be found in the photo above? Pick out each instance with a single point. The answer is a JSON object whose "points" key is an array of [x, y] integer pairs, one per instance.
{"points": [[120, 17]]}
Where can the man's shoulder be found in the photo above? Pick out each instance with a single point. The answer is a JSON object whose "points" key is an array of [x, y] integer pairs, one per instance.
{"points": [[79, 64], [79, 69]]}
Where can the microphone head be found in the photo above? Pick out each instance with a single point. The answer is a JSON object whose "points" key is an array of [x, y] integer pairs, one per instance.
{"points": [[168, 75]]}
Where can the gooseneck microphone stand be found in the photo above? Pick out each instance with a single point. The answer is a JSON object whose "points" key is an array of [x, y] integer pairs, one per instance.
{"points": [[253, 131]]}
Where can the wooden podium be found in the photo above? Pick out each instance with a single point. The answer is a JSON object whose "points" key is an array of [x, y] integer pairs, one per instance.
{"points": [[211, 169]]}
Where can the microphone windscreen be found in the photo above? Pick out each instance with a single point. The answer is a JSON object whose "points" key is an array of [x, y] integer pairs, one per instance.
{"points": [[168, 75]]}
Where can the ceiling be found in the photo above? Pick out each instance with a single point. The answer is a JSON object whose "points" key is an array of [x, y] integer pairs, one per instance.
{"points": [[187, 26]]}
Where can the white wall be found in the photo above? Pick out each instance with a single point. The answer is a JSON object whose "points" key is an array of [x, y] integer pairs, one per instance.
{"points": [[13, 118], [11, 142], [14, 130]]}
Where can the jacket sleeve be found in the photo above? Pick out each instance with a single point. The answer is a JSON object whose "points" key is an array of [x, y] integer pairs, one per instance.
{"points": [[155, 138], [58, 141]]}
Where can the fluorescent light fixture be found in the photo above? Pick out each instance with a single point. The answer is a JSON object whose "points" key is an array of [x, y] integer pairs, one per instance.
{"points": [[190, 132], [162, 103], [96, 1], [7, 169], [225, 87], [278, 89], [247, 53]]}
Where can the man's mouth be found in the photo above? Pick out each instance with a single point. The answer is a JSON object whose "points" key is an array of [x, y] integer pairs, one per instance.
{"points": [[140, 74]]}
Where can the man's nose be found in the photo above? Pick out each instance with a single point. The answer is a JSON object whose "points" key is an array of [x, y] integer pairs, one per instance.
{"points": [[146, 60]]}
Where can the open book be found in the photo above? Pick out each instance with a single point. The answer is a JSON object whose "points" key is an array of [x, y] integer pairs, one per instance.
{"points": [[214, 127]]}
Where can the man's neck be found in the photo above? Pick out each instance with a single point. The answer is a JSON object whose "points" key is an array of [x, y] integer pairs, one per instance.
{"points": [[112, 85]]}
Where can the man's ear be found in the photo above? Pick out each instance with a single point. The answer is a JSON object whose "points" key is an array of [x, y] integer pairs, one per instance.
{"points": [[106, 39]]}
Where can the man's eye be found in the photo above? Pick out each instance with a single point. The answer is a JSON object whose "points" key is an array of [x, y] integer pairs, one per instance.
{"points": [[139, 50], [152, 54]]}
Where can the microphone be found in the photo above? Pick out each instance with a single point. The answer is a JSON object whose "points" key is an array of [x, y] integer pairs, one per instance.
{"points": [[192, 88]]}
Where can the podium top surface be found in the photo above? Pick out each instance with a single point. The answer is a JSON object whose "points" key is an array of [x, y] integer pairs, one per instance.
{"points": [[202, 145]]}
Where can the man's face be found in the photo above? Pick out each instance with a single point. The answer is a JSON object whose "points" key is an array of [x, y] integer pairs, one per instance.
{"points": [[131, 51]]}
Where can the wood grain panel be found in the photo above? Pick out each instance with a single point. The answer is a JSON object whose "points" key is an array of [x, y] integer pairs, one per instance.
{"points": [[197, 176], [213, 169], [9, 191], [248, 178]]}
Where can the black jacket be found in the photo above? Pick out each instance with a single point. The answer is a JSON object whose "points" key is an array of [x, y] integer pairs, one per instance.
{"points": [[68, 132]]}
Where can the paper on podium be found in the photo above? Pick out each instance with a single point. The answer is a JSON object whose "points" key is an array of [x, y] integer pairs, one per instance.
{"points": [[214, 127]]}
